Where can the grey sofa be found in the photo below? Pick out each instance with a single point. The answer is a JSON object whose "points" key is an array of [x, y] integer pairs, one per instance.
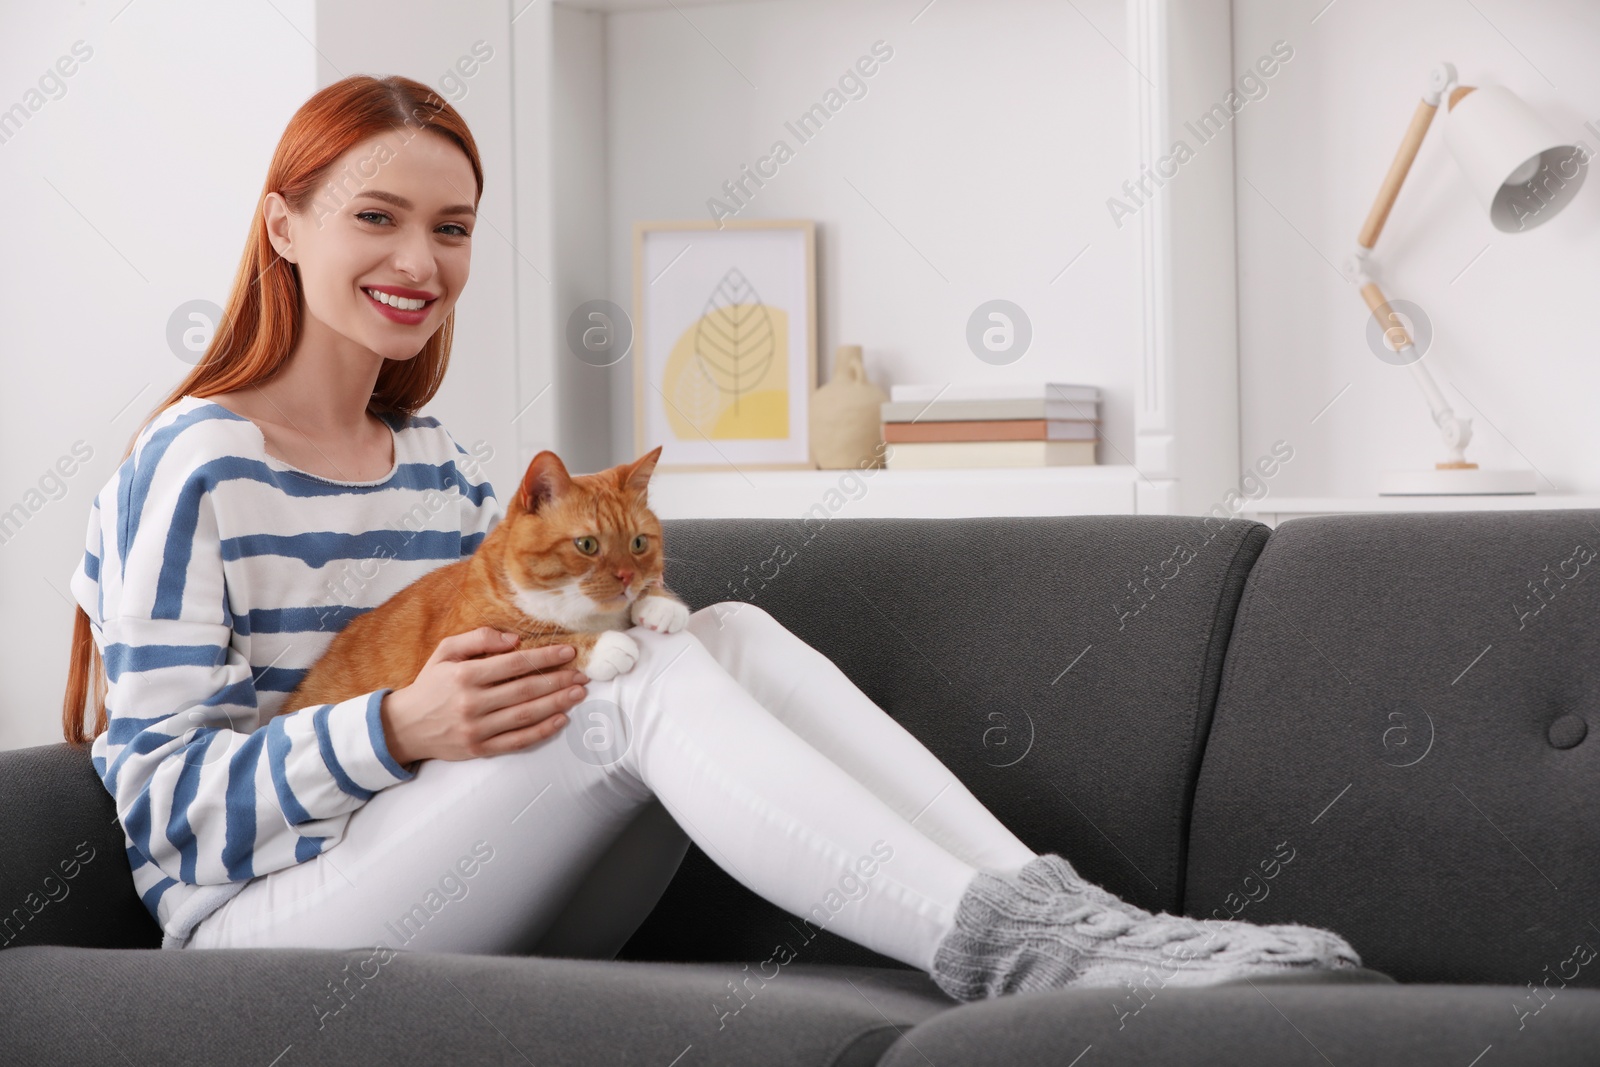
{"points": [[1375, 724]]}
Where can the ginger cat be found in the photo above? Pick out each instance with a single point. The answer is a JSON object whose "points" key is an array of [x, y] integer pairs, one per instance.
{"points": [[574, 560]]}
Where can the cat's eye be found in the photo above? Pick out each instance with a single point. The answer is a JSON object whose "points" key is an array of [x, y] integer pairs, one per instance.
{"points": [[587, 545], [639, 542]]}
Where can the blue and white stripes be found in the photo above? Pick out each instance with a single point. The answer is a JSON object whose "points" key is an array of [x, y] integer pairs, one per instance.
{"points": [[214, 576]]}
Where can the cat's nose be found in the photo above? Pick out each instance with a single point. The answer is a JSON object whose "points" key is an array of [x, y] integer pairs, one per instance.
{"points": [[624, 577]]}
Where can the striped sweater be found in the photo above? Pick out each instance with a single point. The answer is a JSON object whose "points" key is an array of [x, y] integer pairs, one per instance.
{"points": [[214, 575]]}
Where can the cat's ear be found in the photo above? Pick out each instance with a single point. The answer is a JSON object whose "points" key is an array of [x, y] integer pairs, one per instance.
{"points": [[546, 479], [637, 477]]}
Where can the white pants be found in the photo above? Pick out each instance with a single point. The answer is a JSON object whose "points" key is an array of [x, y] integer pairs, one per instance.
{"points": [[734, 732]]}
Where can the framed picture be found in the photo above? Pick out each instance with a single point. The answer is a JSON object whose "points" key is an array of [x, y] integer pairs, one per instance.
{"points": [[725, 343]]}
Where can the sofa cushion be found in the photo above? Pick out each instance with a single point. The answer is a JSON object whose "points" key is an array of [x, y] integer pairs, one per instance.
{"points": [[1402, 749], [73, 1005], [65, 879], [1258, 1023], [1064, 668]]}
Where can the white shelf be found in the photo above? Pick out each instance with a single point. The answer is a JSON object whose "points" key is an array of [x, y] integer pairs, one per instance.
{"points": [[1273, 510], [599, 98], [957, 492]]}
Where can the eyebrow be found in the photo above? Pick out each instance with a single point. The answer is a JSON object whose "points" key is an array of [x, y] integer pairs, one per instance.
{"points": [[406, 205]]}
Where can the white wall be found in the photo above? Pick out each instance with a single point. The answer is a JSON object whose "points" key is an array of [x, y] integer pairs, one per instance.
{"points": [[128, 195], [558, 141], [981, 157], [578, 228], [156, 152], [1513, 314], [434, 43]]}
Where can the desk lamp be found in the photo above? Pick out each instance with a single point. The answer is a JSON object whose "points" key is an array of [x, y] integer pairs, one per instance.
{"points": [[1523, 175]]}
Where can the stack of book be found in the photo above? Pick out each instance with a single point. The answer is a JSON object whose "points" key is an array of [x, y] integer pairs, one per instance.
{"points": [[980, 424]]}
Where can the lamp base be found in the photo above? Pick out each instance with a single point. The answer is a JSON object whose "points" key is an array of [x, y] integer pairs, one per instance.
{"points": [[1473, 481]]}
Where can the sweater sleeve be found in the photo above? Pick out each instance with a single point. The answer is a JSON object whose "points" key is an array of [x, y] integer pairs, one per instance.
{"points": [[481, 511], [202, 791]]}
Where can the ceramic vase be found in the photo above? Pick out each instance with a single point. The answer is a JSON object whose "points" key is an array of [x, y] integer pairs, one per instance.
{"points": [[847, 416]]}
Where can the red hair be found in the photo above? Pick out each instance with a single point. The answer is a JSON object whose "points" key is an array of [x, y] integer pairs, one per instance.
{"points": [[261, 324]]}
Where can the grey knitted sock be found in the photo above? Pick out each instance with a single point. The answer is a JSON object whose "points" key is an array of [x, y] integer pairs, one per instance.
{"points": [[1050, 871], [1013, 935]]}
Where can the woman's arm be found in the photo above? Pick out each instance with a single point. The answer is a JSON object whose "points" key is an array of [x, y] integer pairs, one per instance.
{"points": [[202, 792]]}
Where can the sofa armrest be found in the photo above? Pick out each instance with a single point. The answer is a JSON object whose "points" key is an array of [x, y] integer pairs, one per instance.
{"points": [[65, 879]]}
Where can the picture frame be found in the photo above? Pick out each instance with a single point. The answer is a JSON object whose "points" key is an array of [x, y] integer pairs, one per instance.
{"points": [[725, 343]]}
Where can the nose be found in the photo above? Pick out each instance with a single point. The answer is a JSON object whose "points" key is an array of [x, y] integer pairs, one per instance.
{"points": [[413, 256], [624, 575]]}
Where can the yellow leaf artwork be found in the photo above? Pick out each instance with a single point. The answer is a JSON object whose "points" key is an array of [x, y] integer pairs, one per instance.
{"points": [[727, 376]]}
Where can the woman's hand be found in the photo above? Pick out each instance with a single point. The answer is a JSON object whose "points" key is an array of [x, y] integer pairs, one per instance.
{"points": [[461, 707]]}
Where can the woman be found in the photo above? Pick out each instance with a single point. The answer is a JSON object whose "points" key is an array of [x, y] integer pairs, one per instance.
{"points": [[286, 486]]}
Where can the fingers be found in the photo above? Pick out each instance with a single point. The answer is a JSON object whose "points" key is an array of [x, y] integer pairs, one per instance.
{"points": [[501, 658], [517, 662], [568, 683], [516, 740], [520, 725], [478, 642]]}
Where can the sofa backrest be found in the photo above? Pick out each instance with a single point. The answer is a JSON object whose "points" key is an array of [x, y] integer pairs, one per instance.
{"points": [[1064, 668], [64, 878], [1400, 750]]}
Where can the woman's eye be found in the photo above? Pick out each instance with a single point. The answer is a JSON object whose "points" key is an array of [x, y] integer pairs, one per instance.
{"points": [[451, 229]]}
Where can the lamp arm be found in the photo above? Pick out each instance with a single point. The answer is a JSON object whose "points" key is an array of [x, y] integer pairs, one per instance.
{"points": [[1439, 79], [1421, 119], [1455, 430]]}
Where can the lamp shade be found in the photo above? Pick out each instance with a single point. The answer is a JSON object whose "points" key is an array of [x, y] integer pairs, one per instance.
{"points": [[1516, 163]]}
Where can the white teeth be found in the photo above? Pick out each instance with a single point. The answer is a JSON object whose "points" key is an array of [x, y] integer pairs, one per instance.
{"points": [[403, 303]]}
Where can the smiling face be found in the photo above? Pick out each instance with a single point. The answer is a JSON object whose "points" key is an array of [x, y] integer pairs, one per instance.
{"points": [[384, 247]]}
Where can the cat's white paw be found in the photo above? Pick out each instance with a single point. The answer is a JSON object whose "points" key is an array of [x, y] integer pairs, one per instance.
{"points": [[659, 613], [614, 653]]}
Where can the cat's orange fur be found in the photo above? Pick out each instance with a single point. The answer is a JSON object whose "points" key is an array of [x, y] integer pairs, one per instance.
{"points": [[531, 575]]}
